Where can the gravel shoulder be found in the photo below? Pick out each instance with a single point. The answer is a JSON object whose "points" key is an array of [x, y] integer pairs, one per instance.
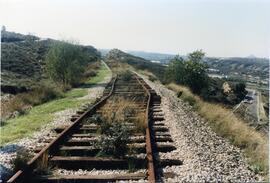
{"points": [[41, 138], [206, 156]]}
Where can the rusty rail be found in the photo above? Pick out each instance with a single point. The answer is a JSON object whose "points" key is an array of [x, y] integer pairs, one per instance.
{"points": [[41, 159], [149, 152]]}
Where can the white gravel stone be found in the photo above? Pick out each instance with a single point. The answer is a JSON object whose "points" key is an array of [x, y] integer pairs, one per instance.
{"points": [[206, 156], [62, 172]]}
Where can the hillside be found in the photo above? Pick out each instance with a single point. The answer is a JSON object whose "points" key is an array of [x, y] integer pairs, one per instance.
{"points": [[137, 62], [23, 60], [241, 67], [7, 36]]}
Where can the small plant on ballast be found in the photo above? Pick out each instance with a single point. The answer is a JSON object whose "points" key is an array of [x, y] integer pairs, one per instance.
{"points": [[114, 139], [21, 159], [126, 76]]}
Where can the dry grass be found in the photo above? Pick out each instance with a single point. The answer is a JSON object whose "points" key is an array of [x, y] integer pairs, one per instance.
{"points": [[140, 123], [226, 124], [119, 112], [23, 101], [118, 67], [125, 108]]}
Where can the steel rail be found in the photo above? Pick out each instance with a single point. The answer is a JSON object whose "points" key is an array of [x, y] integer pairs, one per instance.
{"points": [[41, 159], [149, 152]]}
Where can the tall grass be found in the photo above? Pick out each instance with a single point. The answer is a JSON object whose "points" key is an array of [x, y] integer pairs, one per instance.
{"points": [[23, 101], [120, 112], [125, 109], [226, 124]]}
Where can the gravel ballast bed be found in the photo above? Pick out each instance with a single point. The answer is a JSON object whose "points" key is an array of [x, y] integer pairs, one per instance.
{"points": [[41, 138], [93, 172], [205, 155]]}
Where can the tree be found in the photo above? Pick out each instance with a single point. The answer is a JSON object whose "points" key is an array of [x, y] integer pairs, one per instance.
{"points": [[196, 77], [175, 71], [196, 56], [65, 63], [240, 90], [190, 72]]}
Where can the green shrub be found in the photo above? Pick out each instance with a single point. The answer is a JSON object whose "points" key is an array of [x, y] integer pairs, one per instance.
{"points": [[189, 99], [126, 76], [23, 101], [21, 159], [40, 94], [190, 72], [90, 73], [65, 63], [114, 140], [152, 78]]}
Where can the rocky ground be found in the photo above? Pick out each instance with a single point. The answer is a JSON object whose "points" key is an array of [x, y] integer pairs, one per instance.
{"points": [[206, 156], [41, 138]]}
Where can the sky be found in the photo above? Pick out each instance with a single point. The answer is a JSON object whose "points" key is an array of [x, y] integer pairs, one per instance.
{"points": [[222, 28]]}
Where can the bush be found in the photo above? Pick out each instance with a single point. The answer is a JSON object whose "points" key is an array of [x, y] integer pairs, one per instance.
{"points": [[65, 63], [126, 76], [21, 159], [90, 73], [191, 72], [23, 101], [40, 94], [152, 78], [114, 139]]}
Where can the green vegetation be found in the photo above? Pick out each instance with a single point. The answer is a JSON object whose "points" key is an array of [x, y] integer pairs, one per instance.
{"points": [[193, 74], [23, 61], [12, 36], [224, 123], [190, 72], [39, 115], [126, 76], [114, 138], [65, 63], [102, 73], [20, 103], [21, 159]]}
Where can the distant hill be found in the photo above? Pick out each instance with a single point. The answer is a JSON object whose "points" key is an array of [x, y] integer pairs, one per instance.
{"points": [[23, 60], [15, 37], [248, 66], [241, 66], [161, 57], [137, 62]]}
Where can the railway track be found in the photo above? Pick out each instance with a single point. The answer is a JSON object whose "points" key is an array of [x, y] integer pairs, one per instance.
{"points": [[78, 145]]}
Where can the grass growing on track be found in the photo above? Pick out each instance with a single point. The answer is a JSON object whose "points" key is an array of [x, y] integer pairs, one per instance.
{"points": [[25, 125], [224, 123]]}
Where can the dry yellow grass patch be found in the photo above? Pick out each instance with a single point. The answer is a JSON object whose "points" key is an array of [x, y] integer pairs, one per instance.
{"points": [[226, 124], [120, 109]]}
